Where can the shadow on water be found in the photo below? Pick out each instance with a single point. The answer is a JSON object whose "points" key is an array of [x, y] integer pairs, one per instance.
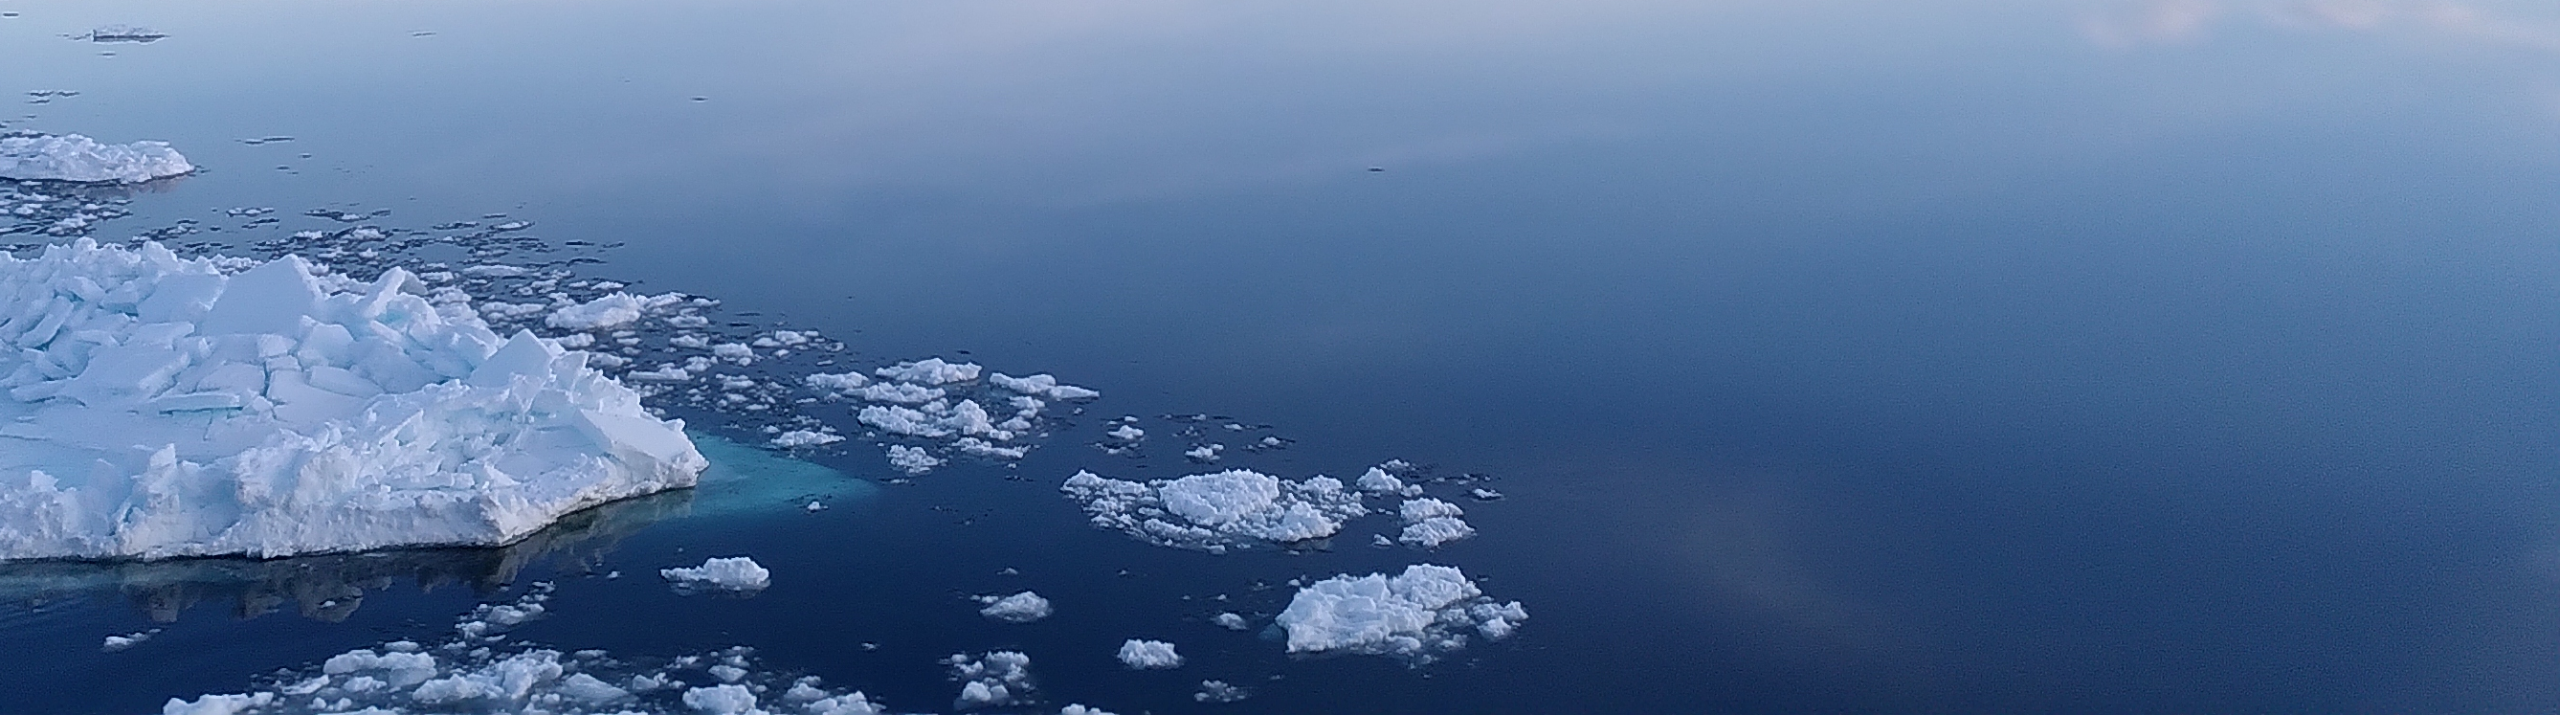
{"points": [[330, 587]]}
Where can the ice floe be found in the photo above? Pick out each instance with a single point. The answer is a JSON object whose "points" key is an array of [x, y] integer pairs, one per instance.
{"points": [[1217, 512], [1023, 607], [1429, 522], [1230, 621], [76, 158], [1218, 691], [991, 679], [1042, 385], [930, 371], [161, 406], [1149, 655], [1418, 614], [737, 574]]}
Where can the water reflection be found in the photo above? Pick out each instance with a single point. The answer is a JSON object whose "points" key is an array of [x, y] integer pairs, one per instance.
{"points": [[331, 587]]}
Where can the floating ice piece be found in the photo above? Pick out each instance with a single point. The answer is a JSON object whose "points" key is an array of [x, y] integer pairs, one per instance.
{"points": [[1149, 655], [158, 407], [1205, 453], [997, 678], [1216, 512], [72, 157], [805, 438], [1428, 523], [912, 460], [1229, 621], [1483, 494], [1218, 691], [1418, 614], [835, 381], [1127, 433], [1379, 481], [612, 310], [1073, 709], [466, 676], [896, 392], [1023, 607], [122, 33], [128, 640], [935, 419], [734, 574], [1042, 385], [930, 371]]}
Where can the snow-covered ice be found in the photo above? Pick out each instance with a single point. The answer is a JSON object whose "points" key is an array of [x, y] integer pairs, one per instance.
{"points": [[1216, 512], [1042, 385], [72, 157], [1230, 621], [930, 371], [1127, 433], [1379, 481], [1429, 522], [1418, 614], [734, 574], [1149, 655], [161, 406], [991, 679], [1023, 607], [469, 676], [912, 460]]}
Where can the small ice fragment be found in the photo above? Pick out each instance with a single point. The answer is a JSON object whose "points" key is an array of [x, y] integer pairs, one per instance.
{"points": [[733, 574], [930, 371], [1127, 433], [912, 460], [1229, 621], [1218, 691], [1023, 607], [1206, 452], [1149, 655]]}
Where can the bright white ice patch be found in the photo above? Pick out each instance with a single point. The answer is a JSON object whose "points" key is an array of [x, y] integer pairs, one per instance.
{"points": [[1023, 607], [734, 574], [1149, 655], [930, 371], [912, 460], [1216, 512], [71, 157], [998, 678], [158, 407], [1428, 523], [1042, 385], [1425, 611]]}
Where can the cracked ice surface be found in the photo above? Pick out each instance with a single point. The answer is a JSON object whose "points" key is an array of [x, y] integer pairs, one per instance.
{"points": [[160, 406]]}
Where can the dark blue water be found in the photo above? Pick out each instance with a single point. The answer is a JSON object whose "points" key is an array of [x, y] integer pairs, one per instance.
{"points": [[1985, 356]]}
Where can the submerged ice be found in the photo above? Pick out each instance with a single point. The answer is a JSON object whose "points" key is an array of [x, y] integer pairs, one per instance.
{"points": [[159, 406]]}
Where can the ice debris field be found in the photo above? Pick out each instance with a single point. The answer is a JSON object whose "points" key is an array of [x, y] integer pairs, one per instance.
{"points": [[471, 388]]}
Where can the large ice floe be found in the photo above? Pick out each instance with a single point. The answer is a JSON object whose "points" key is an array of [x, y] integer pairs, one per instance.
{"points": [[159, 406], [1217, 512], [75, 158], [1421, 613]]}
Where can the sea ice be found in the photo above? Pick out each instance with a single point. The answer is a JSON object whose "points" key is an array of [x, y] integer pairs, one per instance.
{"points": [[1229, 621], [1218, 691], [1023, 607], [805, 438], [930, 371], [1424, 611], [997, 678], [734, 574], [1042, 385], [1127, 433], [1216, 512], [912, 460], [160, 407], [72, 157], [1149, 655], [1428, 523], [1379, 481]]}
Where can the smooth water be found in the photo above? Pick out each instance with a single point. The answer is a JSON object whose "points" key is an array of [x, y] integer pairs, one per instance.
{"points": [[2192, 355]]}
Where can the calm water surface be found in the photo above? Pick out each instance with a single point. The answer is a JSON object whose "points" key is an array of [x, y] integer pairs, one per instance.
{"points": [[2192, 355]]}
